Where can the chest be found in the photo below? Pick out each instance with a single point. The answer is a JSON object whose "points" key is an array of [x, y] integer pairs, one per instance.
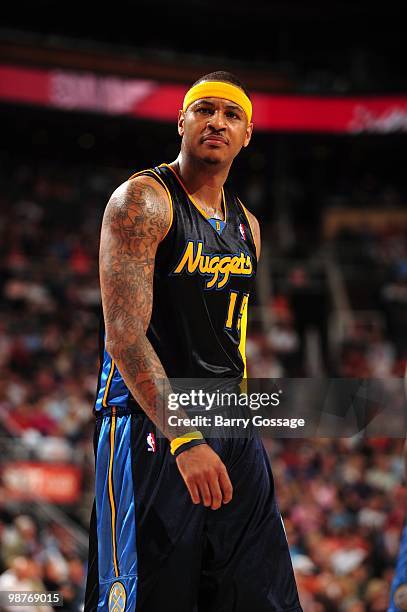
{"points": [[216, 253]]}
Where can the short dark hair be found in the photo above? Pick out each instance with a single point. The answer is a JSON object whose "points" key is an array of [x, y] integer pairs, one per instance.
{"points": [[225, 77]]}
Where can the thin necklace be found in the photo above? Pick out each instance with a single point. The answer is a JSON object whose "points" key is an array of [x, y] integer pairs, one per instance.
{"points": [[208, 209]]}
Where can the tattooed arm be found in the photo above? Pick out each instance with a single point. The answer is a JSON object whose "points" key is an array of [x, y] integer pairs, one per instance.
{"points": [[135, 221], [136, 218]]}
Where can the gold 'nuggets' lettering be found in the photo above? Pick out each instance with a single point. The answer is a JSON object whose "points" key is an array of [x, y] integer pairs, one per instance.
{"points": [[217, 267]]}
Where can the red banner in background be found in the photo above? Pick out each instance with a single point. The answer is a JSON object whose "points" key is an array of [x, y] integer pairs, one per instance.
{"points": [[145, 99], [53, 483]]}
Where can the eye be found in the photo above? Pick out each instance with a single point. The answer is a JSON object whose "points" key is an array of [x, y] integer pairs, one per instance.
{"points": [[232, 115], [204, 110]]}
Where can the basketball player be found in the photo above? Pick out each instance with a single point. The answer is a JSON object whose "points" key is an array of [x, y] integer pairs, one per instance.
{"points": [[181, 523], [398, 595], [398, 592]]}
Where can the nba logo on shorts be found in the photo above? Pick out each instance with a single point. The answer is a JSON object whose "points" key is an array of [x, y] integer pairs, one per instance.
{"points": [[242, 232], [151, 442]]}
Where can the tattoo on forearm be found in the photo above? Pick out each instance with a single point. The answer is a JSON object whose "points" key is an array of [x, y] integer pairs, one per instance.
{"points": [[135, 220]]}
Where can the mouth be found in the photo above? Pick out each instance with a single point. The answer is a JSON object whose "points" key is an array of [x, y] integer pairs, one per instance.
{"points": [[214, 140]]}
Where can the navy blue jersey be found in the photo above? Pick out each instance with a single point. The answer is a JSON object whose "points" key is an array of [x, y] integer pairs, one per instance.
{"points": [[203, 274]]}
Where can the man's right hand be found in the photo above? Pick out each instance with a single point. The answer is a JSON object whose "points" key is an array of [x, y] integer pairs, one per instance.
{"points": [[205, 476]]}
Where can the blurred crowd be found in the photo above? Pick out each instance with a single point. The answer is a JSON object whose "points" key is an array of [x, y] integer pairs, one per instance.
{"points": [[362, 265], [39, 557], [343, 501]]}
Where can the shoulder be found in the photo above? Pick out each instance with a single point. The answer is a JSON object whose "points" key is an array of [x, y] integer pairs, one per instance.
{"points": [[143, 200], [255, 228], [140, 191]]}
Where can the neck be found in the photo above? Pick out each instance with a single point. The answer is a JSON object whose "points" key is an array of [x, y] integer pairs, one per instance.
{"points": [[202, 181]]}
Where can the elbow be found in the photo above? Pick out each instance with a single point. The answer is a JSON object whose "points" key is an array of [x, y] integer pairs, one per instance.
{"points": [[110, 348], [118, 344], [113, 346]]}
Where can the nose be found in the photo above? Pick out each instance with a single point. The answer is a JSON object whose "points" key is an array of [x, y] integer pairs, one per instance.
{"points": [[217, 120]]}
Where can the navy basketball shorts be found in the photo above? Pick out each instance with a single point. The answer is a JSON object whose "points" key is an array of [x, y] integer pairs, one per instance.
{"points": [[151, 549]]}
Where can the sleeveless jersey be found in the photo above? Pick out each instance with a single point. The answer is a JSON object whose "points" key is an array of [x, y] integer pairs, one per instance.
{"points": [[204, 270]]}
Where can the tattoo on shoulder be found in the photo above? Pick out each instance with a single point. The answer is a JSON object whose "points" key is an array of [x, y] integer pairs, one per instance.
{"points": [[139, 216], [136, 218]]}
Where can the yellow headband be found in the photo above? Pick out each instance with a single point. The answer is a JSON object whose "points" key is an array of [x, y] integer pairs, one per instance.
{"points": [[219, 89]]}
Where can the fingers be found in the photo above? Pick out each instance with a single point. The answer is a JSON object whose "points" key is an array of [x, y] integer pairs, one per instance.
{"points": [[205, 494], [216, 494], [216, 489], [193, 491], [205, 476], [225, 485]]}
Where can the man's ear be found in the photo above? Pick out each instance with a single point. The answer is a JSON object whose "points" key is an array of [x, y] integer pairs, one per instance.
{"points": [[249, 132], [181, 122]]}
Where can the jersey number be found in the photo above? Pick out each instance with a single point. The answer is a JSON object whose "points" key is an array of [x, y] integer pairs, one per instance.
{"points": [[232, 307]]}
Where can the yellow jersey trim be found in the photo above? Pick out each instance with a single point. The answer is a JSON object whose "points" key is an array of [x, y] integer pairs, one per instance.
{"points": [[246, 213], [111, 494], [203, 213], [108, 384], [166, 189], [242, 343], [138, 173], [170, 201]]}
